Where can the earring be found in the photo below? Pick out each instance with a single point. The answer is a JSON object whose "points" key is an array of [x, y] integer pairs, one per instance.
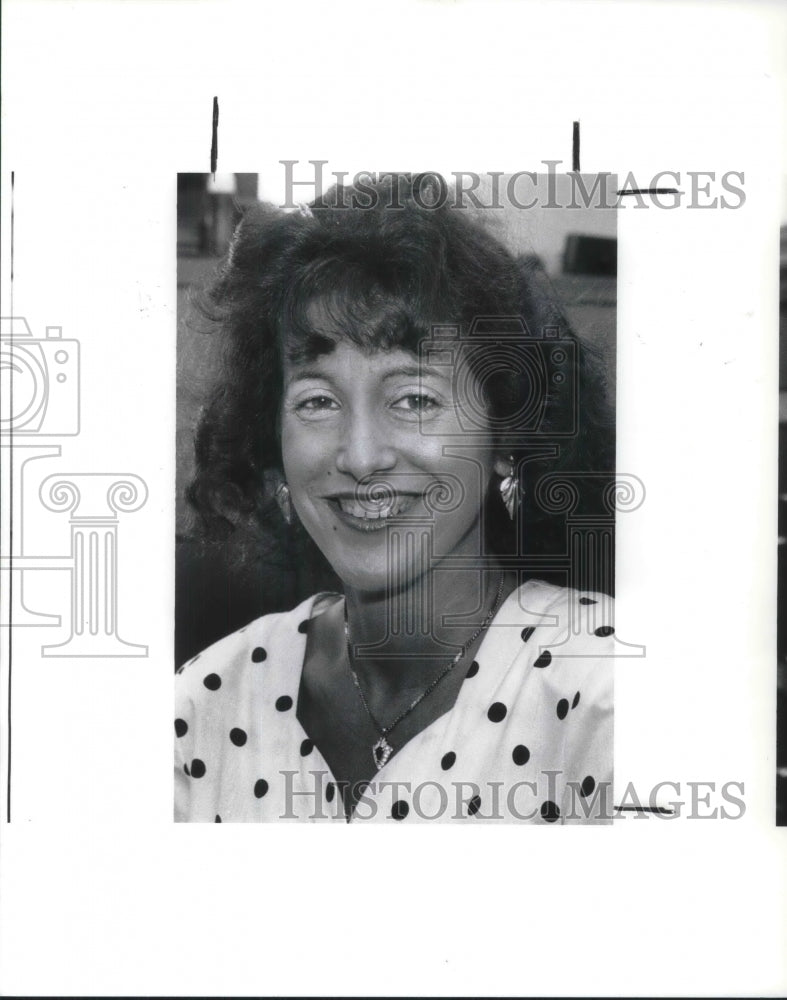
{"points": [[511, 491], [284, 500]]}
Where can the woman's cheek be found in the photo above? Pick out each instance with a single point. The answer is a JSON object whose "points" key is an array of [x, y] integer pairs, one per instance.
{"points": [[300, 444]]}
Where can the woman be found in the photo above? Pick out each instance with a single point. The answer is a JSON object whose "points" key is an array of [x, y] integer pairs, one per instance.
{"points": [[388, 378]]}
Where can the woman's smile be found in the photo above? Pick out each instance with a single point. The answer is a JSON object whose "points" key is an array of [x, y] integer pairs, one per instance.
{"points": [[370, 513]]}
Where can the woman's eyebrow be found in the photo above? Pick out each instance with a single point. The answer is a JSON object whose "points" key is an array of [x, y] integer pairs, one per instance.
{"points": [[303, 374], [414, 371], [401, 371]]}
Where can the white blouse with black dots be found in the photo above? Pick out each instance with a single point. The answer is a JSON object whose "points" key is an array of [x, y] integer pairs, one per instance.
{"points": [[529, 738]]}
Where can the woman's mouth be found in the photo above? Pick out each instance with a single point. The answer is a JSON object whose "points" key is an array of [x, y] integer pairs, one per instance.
{"points": [[369, 514]]}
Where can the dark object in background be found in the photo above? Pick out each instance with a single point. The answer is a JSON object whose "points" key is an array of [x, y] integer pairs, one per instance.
{"points": [[218, 588], [207, 219], [596, 255]]}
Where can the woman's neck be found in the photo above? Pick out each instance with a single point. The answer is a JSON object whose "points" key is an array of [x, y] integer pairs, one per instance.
{"points": [[401, 634]]}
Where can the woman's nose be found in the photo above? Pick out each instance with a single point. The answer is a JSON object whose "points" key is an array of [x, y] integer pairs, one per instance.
{"points": [[365, 449]]}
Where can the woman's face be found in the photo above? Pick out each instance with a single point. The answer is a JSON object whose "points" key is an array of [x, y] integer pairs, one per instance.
{"points": [[373, 451]]}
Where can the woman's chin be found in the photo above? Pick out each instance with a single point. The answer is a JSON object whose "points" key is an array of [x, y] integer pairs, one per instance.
{"points": [[378, 580], [384, 556]]}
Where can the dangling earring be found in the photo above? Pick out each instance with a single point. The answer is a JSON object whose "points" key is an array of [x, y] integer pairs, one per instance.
{"points": [[284, 500], [511, 491]]}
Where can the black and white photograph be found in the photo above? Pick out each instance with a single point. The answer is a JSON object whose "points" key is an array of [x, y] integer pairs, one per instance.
{"points": [[418, 450], [391, 407]]}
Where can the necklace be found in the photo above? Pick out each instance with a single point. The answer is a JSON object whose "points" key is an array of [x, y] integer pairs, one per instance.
{"points": [[382, 749]]}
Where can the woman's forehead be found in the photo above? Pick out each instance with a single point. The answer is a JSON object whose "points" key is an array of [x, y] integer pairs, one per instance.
{"points": [[342, 355]]}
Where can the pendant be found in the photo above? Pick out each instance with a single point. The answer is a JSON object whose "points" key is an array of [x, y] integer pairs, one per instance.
{"points": [[381, 751]]}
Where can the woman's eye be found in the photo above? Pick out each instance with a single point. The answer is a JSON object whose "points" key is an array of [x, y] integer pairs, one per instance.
{"points": [[417, 402], [316, 405]]}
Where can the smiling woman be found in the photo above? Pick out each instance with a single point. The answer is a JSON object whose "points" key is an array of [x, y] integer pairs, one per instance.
{"points": [[394, 379], [365, 436]]}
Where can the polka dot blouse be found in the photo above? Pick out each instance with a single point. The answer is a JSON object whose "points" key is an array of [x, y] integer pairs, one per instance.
{"points": [[529, 738]]}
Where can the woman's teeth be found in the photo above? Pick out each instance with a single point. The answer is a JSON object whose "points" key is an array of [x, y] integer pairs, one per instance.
{"points": [[373, 510]]}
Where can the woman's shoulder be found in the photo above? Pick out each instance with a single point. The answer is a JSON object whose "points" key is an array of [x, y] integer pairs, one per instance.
{"points": [[569, 631], [537, 598], [277, 634], [570, 622]]}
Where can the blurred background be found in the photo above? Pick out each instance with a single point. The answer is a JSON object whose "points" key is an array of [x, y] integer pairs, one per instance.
{"points": [[574, 252]]}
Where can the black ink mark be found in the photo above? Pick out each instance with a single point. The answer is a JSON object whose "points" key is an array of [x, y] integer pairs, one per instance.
{"points": [[663, 810], [575, 149], [214, 143], [626, 191]]}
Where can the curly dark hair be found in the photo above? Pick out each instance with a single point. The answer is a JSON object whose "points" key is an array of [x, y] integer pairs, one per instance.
{"points": [[387, 268]]}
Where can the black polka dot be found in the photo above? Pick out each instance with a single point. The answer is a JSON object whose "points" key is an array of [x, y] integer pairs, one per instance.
{"points": [[212, 682], [330, 791], [217, 819], [497, 712], [258, 655], [303, 628], [238, 737], [448, 760], [260, 788], [587, 600], [186, 769], [520, 754], [283, 704], [603, 631], [562, 708], [472, 670], [544, 660], [474, 805], [527, 632], [550, 812], [306, 748], [575, 702], [197, 768], [181, 727], [587, 786], [399, 809]]}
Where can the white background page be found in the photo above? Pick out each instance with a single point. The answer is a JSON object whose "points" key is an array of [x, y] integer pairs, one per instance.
{"points": [[103, 104]]}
